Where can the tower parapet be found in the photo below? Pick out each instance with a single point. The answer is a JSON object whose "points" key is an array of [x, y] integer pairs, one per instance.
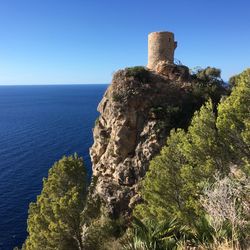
{"points": [[161, 47]]}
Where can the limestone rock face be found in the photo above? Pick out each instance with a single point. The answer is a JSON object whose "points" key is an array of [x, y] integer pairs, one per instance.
{"points": [[135, 119]]}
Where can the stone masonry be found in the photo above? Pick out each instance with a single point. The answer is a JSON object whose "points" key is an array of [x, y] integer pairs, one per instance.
{"points": [[161, 47]]}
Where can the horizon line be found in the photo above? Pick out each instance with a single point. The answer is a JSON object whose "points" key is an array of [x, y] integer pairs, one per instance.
{"points": [[48, 84]]}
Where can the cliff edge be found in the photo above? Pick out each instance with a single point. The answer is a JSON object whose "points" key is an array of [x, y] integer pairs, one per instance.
{"points": [[137, 112]]}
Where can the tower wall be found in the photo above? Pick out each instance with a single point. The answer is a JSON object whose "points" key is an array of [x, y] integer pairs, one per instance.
{"points": [[161, 46]]}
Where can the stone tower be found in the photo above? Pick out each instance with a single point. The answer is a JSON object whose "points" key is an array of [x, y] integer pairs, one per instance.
{"points": [[161, 46]]}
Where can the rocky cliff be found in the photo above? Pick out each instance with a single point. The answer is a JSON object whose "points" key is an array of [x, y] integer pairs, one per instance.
{"points": [[136, 114]]}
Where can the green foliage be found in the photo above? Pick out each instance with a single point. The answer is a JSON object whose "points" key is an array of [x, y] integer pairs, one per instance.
{"points": [[171, 234], [102, 233], [166, 116], [208, 84], [92, 209], [208, 73], [149, 235], [178, 173], [99, 232], [164, 113], [54, 219], [138, 75], [232, 81], [138, 72], [176, 178], [204, 235], [234, 121]]}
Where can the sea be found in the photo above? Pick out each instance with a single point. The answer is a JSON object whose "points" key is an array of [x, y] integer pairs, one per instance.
{"points": [[39, 125]]}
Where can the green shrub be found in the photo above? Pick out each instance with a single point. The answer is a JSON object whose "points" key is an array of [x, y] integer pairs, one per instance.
{"points": [[209, 73], [149, 235], [138, 72], [102, 233], [207, 83]]}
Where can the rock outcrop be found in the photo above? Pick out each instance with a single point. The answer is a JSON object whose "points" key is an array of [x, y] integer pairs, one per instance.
{"points": [[136, 114]]}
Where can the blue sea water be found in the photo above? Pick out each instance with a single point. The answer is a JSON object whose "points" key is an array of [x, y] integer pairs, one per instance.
{"points": [[38, 125]]}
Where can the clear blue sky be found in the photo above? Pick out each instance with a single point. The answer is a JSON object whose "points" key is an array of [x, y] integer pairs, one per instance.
{"points": [[85, 41]]}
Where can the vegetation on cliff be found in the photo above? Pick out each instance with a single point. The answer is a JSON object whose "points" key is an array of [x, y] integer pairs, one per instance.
{"points": [[179, 183], [54, 219], [196, 191], [207, 83]]}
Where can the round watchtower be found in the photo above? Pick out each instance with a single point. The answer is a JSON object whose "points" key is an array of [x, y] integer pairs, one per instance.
{"points": [[161, 46]]}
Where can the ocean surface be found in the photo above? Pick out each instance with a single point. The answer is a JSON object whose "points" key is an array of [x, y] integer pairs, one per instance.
{"points": [[38, 125]]}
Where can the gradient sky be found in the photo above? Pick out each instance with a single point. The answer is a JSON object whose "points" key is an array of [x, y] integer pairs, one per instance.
{"points": [[85, 41]]}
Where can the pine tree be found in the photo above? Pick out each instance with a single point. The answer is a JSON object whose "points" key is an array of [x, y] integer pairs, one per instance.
{"points": [[175, 177], [162, 185], [54, 219], [234, 121]]}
